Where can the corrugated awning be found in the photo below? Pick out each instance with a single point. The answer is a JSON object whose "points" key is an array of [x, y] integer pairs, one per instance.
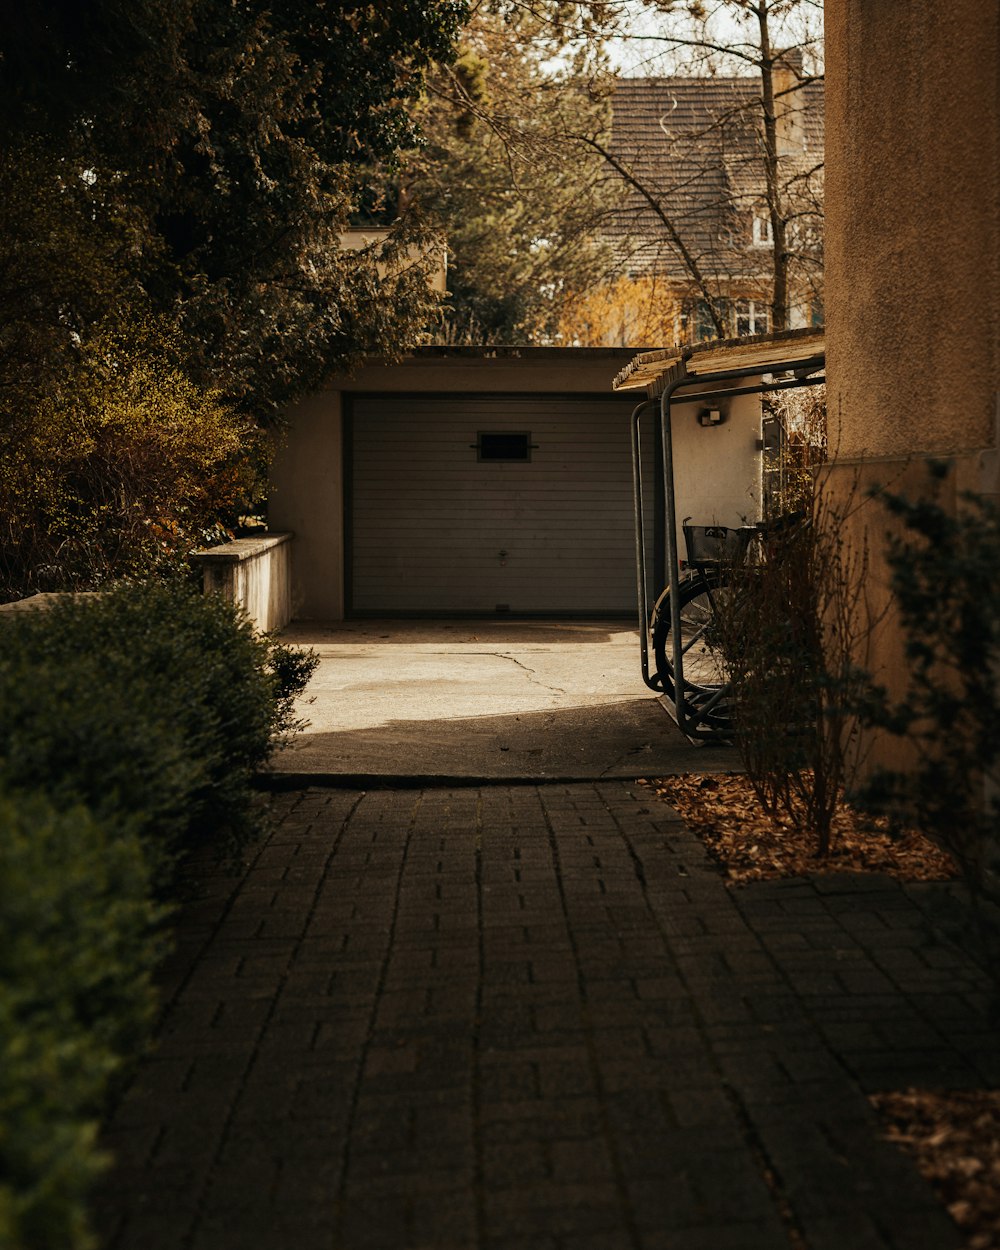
{"points": [[651, 372]]}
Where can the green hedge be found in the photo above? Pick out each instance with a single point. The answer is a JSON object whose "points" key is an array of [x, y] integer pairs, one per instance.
{"points": [[77, 946], [130, 727], [943, 558], [151, 700]]}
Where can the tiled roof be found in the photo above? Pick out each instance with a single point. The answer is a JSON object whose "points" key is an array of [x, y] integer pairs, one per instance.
{"points": [[694, 143]]}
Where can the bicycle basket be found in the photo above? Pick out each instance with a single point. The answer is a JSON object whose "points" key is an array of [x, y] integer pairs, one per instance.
{"points": [[711, 544]]}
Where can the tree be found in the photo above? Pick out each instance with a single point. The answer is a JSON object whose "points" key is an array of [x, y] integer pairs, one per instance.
{"points": [[546, 208], [736, 161], [121, 471], [233, 137], [173, 185], [618, 312], [521, 207]]}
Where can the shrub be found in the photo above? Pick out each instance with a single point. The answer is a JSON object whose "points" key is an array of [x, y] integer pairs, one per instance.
{"points": [[118, 471], [792, 630], [944, 565], [795, 446], [149, 700], [76, 953], [152, 706]]}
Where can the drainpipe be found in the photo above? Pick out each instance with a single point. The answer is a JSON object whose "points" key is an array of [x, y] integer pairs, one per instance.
{"points": [[640, 543], [673, 561]]}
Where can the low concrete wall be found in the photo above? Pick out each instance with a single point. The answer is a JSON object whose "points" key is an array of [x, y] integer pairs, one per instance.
{"points": [[253, 572], [41, 601]]}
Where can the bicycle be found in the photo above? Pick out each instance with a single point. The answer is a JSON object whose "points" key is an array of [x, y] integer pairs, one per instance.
{"points": [[713, 554]]}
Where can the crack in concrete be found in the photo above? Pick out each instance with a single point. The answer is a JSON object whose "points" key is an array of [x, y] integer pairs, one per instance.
{"points": [[503, 655]]}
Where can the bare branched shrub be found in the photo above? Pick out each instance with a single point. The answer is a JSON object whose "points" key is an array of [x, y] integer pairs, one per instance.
{"points": [[795, 446], [793, 632]]}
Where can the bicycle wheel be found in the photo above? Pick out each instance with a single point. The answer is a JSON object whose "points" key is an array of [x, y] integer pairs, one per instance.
{"points": [[705, 686]]}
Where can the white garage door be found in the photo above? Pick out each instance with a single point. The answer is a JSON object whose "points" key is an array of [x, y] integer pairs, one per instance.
{"points": [[479, 504]]}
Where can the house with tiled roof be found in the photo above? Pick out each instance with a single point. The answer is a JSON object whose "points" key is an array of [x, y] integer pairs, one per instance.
{"points": [[695, 224]]}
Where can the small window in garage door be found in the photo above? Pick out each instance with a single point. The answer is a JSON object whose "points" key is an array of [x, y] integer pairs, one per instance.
{"points": [[498, 445]]}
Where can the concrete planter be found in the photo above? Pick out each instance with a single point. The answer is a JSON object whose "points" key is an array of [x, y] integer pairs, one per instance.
{"points": [[253, 572]]}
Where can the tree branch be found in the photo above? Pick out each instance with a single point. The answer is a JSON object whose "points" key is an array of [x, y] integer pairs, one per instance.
{"points": [[691, 264]]}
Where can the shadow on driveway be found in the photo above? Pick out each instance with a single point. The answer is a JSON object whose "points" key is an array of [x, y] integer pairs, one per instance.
{"points": [[426, 702], [635, 738]]}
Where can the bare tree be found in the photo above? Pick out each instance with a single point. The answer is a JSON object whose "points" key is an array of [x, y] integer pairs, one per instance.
{"points": [[711, 204], [731, 184]]}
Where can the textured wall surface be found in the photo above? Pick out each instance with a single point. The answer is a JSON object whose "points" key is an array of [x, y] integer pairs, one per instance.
{"points": [[253, 572], [306, 496], [913, 224], [912, 274], [717, 470]]}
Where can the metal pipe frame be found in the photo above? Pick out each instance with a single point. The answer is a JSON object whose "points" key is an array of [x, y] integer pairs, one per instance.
{"points": [[686, 721], [653, 682]]}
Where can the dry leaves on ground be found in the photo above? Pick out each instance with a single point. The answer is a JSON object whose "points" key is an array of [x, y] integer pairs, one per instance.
{"points": [[752, 846], [955, 1138]]}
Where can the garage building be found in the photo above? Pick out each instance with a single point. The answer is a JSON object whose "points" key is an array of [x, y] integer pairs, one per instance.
{"points": [[476, 481]]}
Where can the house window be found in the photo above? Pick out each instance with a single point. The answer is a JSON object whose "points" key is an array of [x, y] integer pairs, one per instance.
{"points": [[697, 324], [751, 316], [696, 321], [763, 236], [503, 445]]}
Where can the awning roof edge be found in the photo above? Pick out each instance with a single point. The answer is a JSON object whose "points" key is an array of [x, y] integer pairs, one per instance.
{"points": [[652, 371]]}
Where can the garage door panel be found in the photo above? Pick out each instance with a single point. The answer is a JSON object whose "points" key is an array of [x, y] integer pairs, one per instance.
{"points": [[429, 520]]}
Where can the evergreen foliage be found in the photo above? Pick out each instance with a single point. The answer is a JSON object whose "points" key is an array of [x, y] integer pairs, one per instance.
{"points": [[131, 725], [77, 947], [150, 699], [231, 139], [944, 563], [501, 174], [174, 183], [122, 469]]}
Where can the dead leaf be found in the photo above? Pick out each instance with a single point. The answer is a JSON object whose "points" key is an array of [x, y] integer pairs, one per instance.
{"points": [[954, 1137], [753, 845]]}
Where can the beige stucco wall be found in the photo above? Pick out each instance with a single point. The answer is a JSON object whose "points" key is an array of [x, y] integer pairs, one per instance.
{"points": [[306, 496], [717, 469], [913, 225], [912, 270]]}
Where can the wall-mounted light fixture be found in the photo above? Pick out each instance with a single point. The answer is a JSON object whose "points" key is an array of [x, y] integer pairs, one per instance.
{"points": [[711, 416]]}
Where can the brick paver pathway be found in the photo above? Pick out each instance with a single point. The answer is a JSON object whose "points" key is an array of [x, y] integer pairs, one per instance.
{"points": [[535, 1018]]}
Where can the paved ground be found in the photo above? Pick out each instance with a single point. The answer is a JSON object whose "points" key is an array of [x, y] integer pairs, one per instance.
{"points": [[534, 1018], [415, 701]]}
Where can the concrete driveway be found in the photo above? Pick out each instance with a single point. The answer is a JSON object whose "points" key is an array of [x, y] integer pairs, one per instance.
{"points": [[451, 701]]}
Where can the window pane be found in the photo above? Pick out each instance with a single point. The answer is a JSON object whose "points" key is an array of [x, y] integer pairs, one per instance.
{"points": [[504, 446]]}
